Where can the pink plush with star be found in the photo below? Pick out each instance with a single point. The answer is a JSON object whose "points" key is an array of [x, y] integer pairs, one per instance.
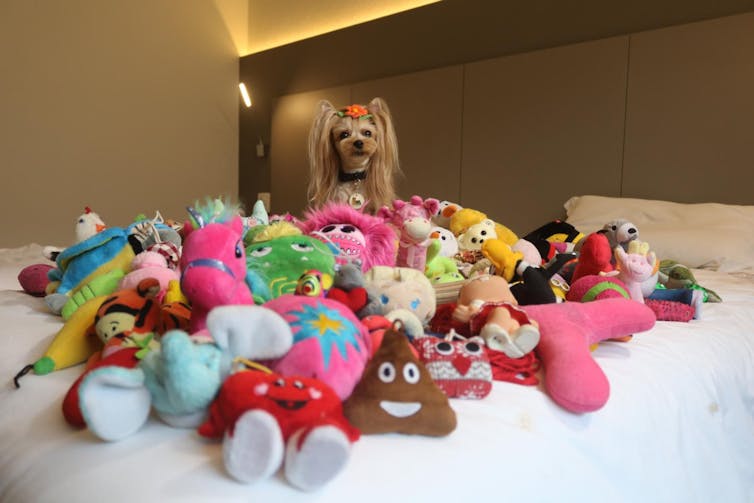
{"points": [[573, 379], [329, 342]]}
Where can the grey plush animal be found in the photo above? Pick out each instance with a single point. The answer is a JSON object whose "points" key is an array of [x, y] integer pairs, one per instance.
{"points": [[620, 232]]}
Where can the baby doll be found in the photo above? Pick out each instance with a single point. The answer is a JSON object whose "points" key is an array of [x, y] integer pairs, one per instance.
{"points": [[353, 156], [488, 306]]}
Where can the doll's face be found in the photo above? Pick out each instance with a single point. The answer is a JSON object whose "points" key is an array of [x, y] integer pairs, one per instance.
{"points": [[488, 288]]}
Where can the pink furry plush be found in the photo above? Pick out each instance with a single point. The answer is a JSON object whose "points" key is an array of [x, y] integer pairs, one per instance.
{"points": [[572, 378], [213, 269], [360, 237]]}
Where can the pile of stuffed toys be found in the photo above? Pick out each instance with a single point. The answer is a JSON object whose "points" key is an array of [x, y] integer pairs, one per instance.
{"points": [[286, 338]]}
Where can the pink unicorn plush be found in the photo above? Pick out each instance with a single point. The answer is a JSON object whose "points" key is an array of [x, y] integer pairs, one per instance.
{"points": [[413, 221], [635, 267], [213, 263]]}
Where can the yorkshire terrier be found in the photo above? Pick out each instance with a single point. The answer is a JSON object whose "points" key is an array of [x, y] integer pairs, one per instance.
{"points": [[353, 156]]}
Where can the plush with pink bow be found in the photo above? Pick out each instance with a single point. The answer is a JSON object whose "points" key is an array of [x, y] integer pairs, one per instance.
{"points": [[412, 219]]}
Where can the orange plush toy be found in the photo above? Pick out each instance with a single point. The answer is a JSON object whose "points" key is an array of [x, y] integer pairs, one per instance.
{"points": [[126, 323]]}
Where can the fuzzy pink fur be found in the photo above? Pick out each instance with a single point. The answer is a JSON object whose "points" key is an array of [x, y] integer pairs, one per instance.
{"points": [[380, 237], [206, 285]]}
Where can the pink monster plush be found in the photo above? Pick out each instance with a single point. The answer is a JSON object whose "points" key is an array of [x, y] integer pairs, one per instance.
{"points": [[360, 238], [413, 221], [213, 264]]}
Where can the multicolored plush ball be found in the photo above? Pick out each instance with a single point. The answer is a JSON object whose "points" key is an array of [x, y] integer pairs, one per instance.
{"points": [[329, 342]]}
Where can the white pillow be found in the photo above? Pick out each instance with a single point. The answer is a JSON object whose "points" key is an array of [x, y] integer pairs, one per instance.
{"points": [[710, 235]]}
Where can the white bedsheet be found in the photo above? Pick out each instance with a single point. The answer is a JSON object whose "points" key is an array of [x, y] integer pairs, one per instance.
{"points": [[679, 426]]}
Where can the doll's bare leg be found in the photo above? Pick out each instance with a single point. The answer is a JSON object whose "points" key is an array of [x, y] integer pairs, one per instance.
{"points": [[505, 334]]}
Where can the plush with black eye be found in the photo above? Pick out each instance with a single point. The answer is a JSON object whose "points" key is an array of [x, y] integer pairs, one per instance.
{"points": [[397, 394], [459, 367]]}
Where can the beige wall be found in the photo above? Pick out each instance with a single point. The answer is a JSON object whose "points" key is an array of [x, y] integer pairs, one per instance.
{"points": [[662, 114], [128, 107]]}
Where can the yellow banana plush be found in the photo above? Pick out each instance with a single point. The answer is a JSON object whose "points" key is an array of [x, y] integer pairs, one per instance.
{"points": [[71, 344]]}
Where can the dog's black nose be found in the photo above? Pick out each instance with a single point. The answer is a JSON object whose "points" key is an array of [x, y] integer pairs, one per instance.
{"points": [[358, 144]]}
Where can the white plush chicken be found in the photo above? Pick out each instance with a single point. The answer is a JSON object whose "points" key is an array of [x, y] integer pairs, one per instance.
{"points": [[88, 224]]}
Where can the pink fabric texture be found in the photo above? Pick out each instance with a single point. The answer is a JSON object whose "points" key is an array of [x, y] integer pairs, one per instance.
{"points": [[380, 239], [573, 379], [329, 342]]}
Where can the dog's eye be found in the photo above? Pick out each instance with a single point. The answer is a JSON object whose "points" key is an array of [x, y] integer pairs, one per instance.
{"points": [[344, 135], [367, 133]]}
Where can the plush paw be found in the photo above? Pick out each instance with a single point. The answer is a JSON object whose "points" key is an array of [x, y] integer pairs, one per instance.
{"points": [[56, 302], [252, 332], [254, 450], [318, 459], [114, 402], [183, 377]]}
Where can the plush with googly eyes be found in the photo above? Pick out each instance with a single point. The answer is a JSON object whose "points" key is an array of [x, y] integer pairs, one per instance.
{"points": [[360, 238], [396, 394], [459, 367], [281, 261]]}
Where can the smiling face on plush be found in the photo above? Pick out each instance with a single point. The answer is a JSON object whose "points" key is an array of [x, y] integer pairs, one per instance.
{"points": [[397, 394], [293, 401], [349, 240]]}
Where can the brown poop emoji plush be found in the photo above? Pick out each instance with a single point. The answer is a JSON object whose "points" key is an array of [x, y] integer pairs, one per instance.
{"points": [[396, 393]]}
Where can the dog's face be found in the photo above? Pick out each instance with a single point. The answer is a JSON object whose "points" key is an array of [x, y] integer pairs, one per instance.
{"points": [[355, 139]]}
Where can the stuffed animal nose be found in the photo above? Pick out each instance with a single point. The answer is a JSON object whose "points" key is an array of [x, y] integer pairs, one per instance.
{"points": [[358, 144]]}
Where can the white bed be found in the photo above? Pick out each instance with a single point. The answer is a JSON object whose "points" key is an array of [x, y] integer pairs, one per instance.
{"points": [[679, 426]]}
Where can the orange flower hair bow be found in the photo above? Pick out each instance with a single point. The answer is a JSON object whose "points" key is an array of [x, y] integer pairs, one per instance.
{"points": [[355, 111]]}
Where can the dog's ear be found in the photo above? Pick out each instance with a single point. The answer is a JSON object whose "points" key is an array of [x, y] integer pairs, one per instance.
{"points": [[377, 105], [325, 106]]}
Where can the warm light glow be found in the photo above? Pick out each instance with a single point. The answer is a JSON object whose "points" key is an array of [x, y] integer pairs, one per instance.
{"points": [[245, 94], [272, 24]]}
